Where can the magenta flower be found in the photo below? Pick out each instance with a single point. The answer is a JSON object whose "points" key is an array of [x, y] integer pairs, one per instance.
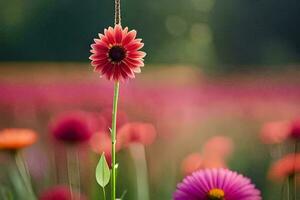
{"points": [[116, 54], [216, 184], [72, 127], [295, 129]]}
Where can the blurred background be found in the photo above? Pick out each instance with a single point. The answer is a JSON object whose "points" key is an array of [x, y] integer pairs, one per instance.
{"points": [[213, 68]]}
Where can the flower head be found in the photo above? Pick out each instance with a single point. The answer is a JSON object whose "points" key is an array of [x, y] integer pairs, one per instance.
{"points": [[101, 143], [285, 167], [116, 54], [14, 139], [136, 132], [218, 146], [275, 132], [72, 127], [216, 184], [60, 193], [295, 129], [196, 161], [192, 163]]}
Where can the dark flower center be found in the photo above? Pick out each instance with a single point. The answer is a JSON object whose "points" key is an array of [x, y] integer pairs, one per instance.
{"points": [[117, 53], [216, 194]]}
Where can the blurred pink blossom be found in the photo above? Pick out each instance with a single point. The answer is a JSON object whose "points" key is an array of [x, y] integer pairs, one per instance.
{"points": [[286, 166], [218, 146], [275, 132]]}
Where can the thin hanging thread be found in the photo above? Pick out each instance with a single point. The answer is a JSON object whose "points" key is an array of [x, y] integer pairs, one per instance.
{"points": [[118, 12]]}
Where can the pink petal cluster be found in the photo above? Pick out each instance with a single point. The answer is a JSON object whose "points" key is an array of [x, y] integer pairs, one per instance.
{"points": [[275, 132], [229, 185], [295, 129], [137, 132], [72, 127], [286, 166], [116, 54], [214, 155], [220, 146]]}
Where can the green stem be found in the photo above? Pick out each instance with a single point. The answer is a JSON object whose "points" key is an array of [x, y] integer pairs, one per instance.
{"points": [[24, 174], [69, 168], [291, 187], [114, 140], [288, 188], [139, 157], [104, 193], [294, 174], [78, 179]]}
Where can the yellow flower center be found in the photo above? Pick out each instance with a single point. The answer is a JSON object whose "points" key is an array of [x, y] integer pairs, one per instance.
{"points": [[216, 194]]}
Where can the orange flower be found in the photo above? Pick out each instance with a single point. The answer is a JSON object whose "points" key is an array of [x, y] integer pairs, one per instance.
{"points": [[214, 162], [101, 142], [192, 163], [196, 161], [136, 132], [285, 167], [14, 139], [275, 132], [218, 146]]}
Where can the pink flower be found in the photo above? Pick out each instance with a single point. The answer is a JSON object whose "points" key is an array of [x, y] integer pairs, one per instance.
{"points": [[196, 161], [116, 54], [295, 129], [218, 146], [214, 162], [101, 143], [136, 132], [192, 163], [216, 184], [275, 132], [72, 127], [286, 166]]}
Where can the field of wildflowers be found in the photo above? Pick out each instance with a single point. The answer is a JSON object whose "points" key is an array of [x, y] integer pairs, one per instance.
{"points": [[114, 129], [57, 122]]}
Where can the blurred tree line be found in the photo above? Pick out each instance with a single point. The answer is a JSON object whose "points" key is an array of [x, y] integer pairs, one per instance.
{"points": [[231, 33]]}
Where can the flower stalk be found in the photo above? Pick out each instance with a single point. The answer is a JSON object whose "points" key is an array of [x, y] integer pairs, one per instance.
{"points": [[114, 116], [70, 172], [24, 173], [114, 139], [139, 158], [73, 169], [292, 182]]}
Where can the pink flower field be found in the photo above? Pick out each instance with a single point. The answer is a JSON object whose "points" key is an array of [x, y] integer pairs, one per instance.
{"points": [[184, 108]]}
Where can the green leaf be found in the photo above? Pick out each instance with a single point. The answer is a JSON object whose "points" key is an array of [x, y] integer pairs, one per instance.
{"points": [[102, 172]]}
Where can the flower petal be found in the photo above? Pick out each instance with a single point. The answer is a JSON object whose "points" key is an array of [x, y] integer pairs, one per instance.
{"points": [[110, 35], [132, 63], [137, 70], [134, 45], [118, 34], [136, 54], [129, 37]]}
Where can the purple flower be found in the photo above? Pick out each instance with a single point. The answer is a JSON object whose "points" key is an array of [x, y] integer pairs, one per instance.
{"points": [[216, 184], [72, 127]]}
